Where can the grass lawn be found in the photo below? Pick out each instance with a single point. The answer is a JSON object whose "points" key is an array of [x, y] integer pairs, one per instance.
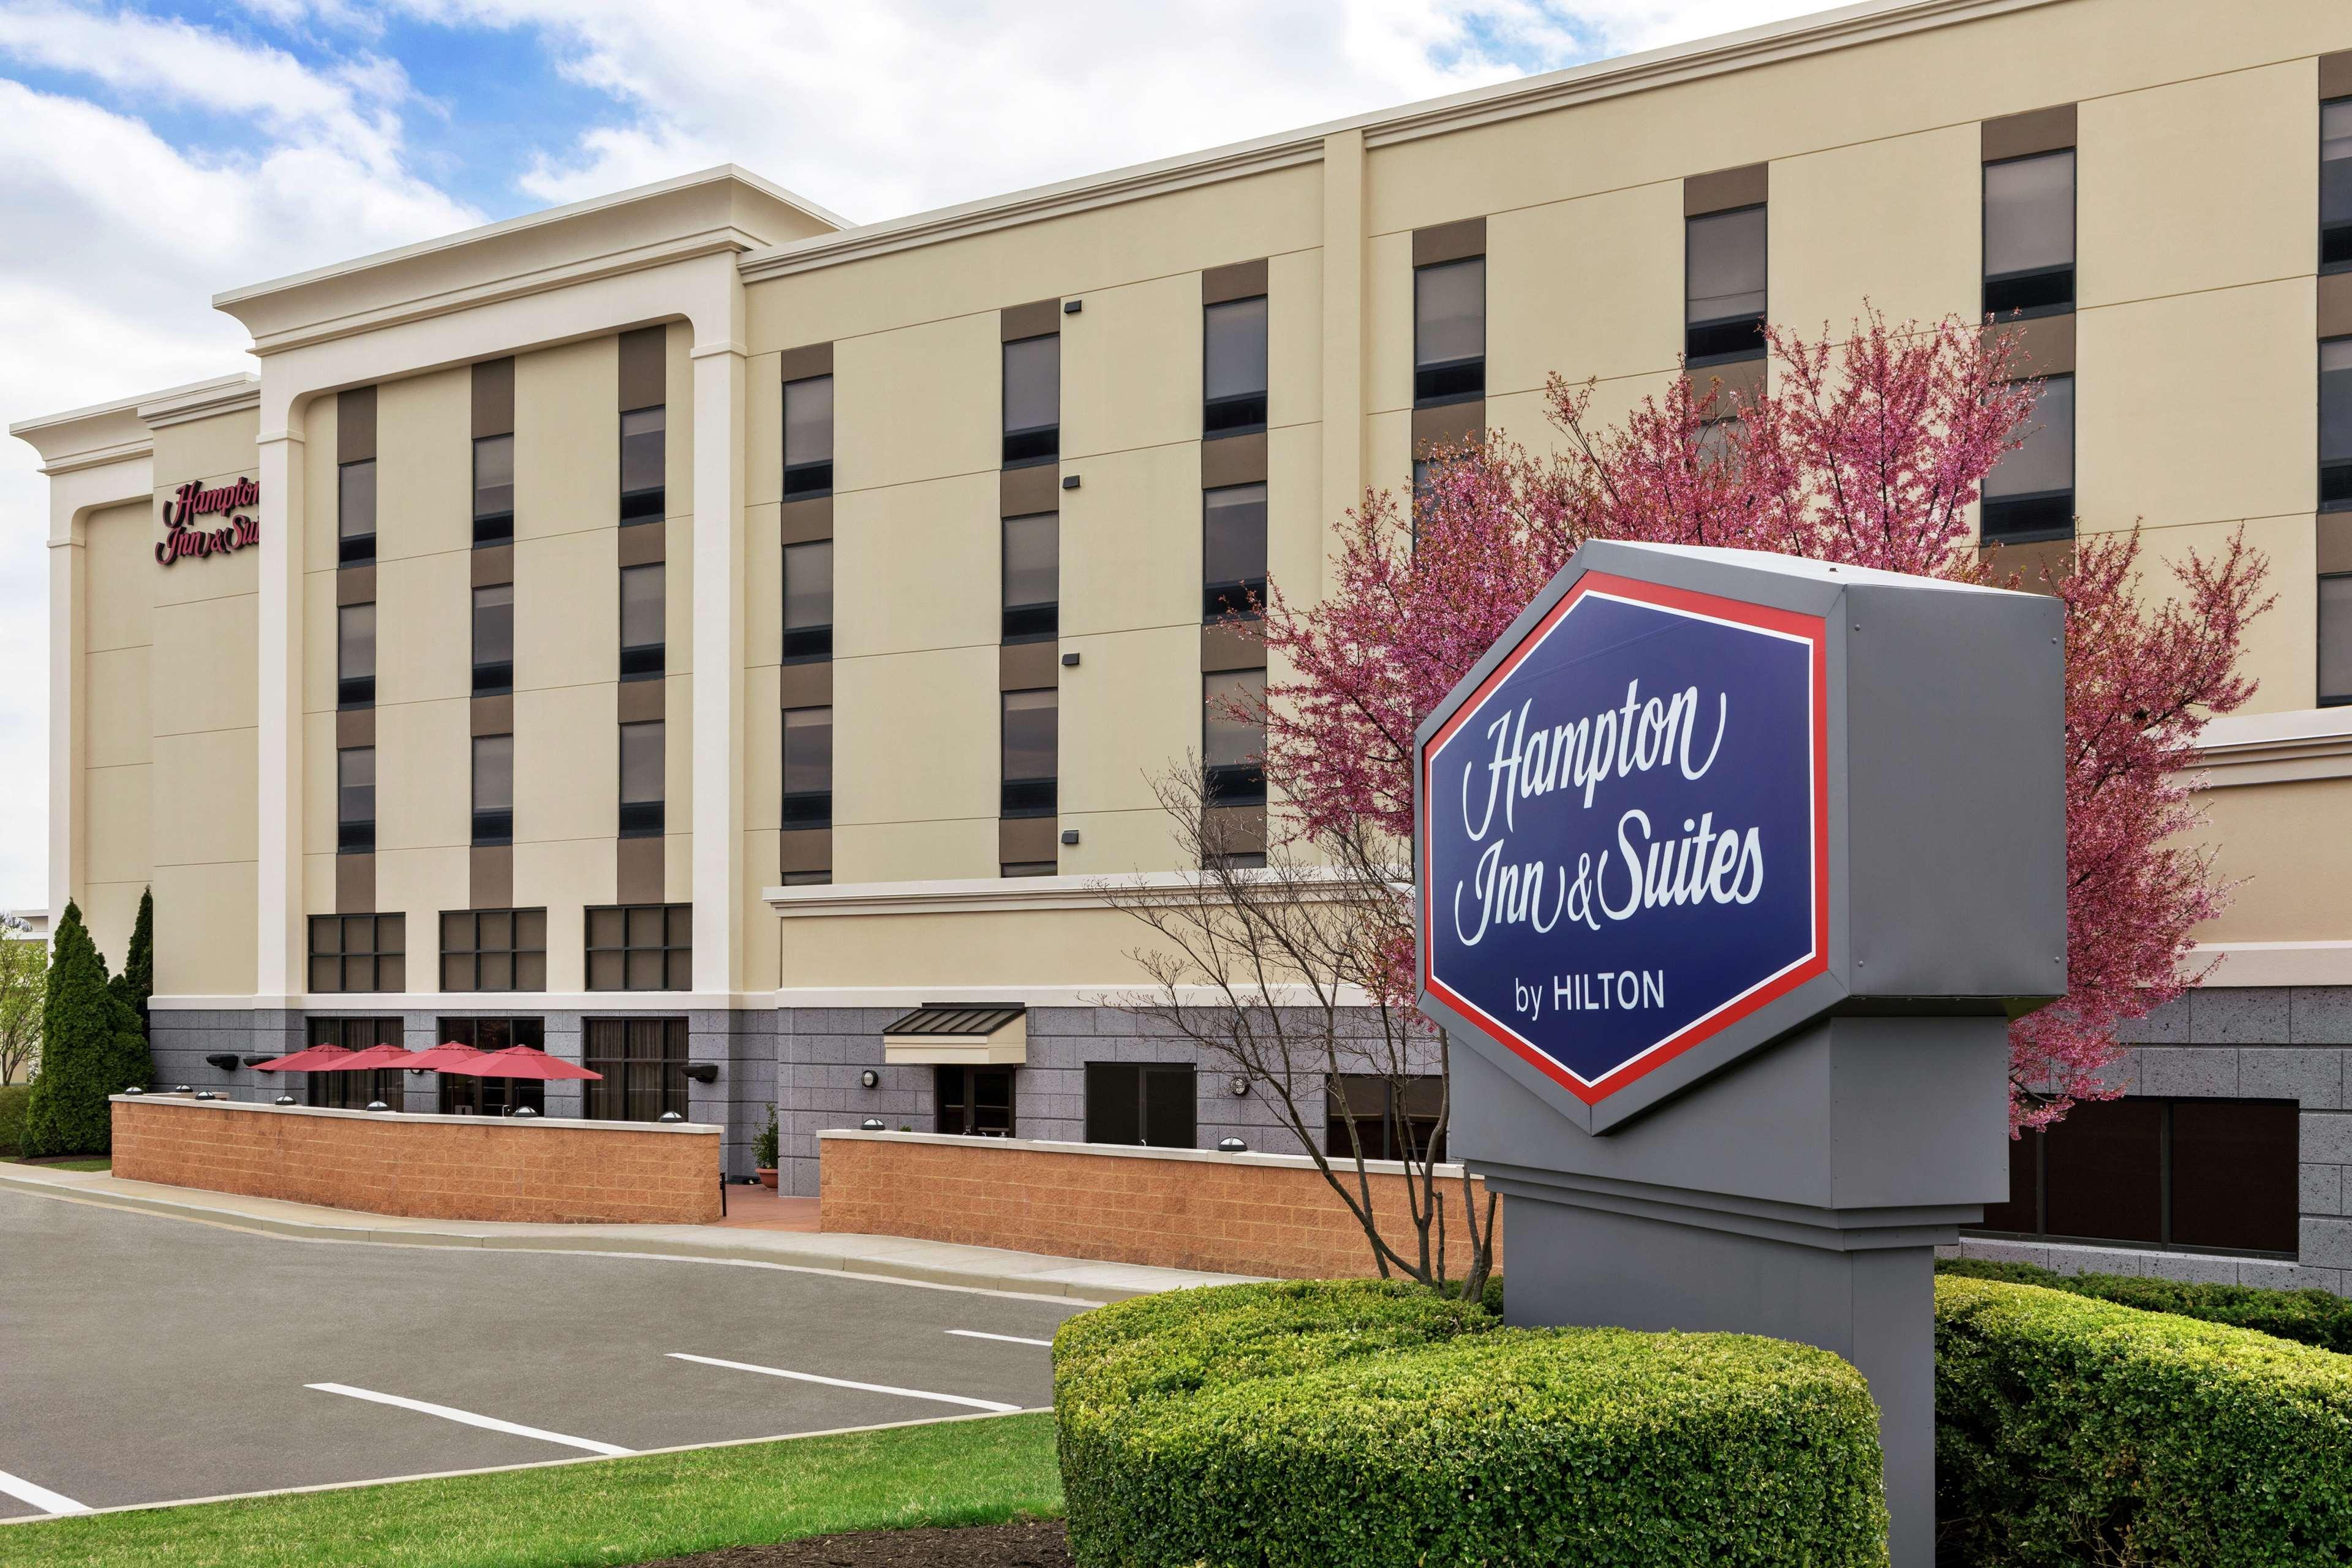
{"points": [[95, 1162], [981, 1471]]}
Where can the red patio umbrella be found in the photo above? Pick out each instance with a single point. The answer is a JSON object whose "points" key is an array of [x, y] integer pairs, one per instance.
{"points": [[314, 1058], [449, 1056], [526, 1061], [374, 1057]]}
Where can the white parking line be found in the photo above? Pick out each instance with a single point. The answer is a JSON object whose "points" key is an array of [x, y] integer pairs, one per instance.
{"points": [[844, 1382], [488, 1423], [1008, 1339], [41, 1498]]}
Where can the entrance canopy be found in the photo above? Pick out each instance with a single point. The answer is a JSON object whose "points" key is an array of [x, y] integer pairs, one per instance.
{"points": [[959, 1034]]}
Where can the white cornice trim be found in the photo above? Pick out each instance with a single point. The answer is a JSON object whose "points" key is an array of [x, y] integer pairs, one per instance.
{"points": [[1729, 52], [230, 395], [2250, 964], [2276, 748], [114, 430], [725, 239]]}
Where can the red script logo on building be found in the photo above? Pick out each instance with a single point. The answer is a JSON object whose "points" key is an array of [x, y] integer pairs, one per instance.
{"points": [[183, 537]]}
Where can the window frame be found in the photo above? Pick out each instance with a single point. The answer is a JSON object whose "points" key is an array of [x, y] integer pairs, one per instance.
{"points": [[2335, 474], [1463, 379], [492, 826], [492, 528], [1235, 412], [1104, 1085], [813, 643], [2012, 281], [1231, 784], [464, 1094], [1726, 339], [354, 1090], [673, 959], [609, 1098], [967, 1104], [1218, 594], [645, 661], [2326, 699], [1338, 1109], [355, 834], [646, 503], [377, 928], [810, 477], [1031, 621], [2034, 517], [2335, 240], [516, 951], [355, 549], [1025, 795], [1028, 445], [806, 808], [353, 691], [643, 818], [491, 677]]}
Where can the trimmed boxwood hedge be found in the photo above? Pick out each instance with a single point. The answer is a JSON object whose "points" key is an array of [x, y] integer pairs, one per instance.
{"points": [[2072, 1431], [14, 1099], [1375, 1423], [2319, 1318]]}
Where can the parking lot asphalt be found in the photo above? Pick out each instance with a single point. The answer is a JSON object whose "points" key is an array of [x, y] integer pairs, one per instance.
{"points": [[145, 1359]]}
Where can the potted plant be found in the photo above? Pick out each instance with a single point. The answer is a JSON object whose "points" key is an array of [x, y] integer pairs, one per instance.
{"points": [[763, 1151]]}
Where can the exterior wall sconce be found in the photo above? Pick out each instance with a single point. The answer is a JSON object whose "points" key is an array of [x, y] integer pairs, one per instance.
{"points": [[1069, 481], [1069, 836], [1072, 307], [702, 1072], [225, 1060], [1069, 661], [256, 1061], [1232, 1146], [1240, 1086], [870, 1079]]}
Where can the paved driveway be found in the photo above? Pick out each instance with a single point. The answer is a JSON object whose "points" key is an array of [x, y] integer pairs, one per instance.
{"points": [[144, 1359]]}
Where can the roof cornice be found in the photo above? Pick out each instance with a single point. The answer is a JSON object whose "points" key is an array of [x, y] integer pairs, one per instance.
{"points": [[1823, 33], [118, 430], [231, 394]]}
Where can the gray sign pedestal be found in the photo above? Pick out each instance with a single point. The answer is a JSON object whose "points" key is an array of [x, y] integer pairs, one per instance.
{"points": [[1802, 1197]]}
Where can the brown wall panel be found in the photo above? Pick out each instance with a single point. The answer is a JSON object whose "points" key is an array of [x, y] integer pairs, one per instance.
{"points": [[643, 368], [354, 727], [1230, 647], [491, 715], [355, 585], [355, 425], [493, 565], [1035, 319], [641, 701], [2035, 130], [494, 383], [639, 863], [811, 359], [803, 849], [490, 884], [1028, 665], [642, 544], [1724, 190], [1026, 838], [1233, 460], [354, 884], [1449, 242], [808, 685], [1242, 280], [1022, 491], [1448, 424], [805, 522], [2335, 305]]}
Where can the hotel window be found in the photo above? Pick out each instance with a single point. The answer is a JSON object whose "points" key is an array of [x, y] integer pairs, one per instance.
{"points": [[493, 950], [808, 437], [2335, 640], [1033, 401], [1723, 286], [644, 1064], [1233, 736], [2335, 186], [1033, 577], [494, 639], [808, 767], [354, 1090], [493, 790], [641, 780], [1233, 369], [1232, 553], [2335, 424], [641, 947], [1031, 742], [1149, 1103], [355, 801], [493, 489], [355, 513], [808, 601], [2030, 495], [644, 448], [355, 656], [1449, 332], [463, 1094], [359, 952], [975, 1101], [2183, 1175], [642, 612], [2029, 234], [1393, 1121]]}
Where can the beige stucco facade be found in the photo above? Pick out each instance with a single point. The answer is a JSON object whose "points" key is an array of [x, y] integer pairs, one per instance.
{"points": [[194, 708]]}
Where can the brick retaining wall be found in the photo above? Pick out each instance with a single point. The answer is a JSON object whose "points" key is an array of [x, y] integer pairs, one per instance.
{"points": [[545, 1170], [1174, 1208]]}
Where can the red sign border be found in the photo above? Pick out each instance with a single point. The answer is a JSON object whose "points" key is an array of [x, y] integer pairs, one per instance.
{"points": [[1813, 630]]}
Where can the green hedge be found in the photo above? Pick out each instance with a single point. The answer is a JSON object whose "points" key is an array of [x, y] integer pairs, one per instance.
{"points": [[2072, 1431], [2319, 1318], [1369, 1424], [13, 1097]]}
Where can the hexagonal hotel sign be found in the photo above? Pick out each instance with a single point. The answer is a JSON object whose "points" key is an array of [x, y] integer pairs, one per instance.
{"points": [[1622, 835]]}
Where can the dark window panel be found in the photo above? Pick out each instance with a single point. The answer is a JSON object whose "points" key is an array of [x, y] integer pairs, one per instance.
{"points": [[1033, 577], [1151, 1104], [1723, 286], [464, 1095], [1387, 1126], [975, 1102], [642, 768], [355, 799], [494, 639], [1033, 401], [644, 455], [2029, 494], [808, 767], [2105, 1172], [493, 489], [2335, 185], [640, 947], [355, 656], [2233, 1175], [1234, 367], [355, 513], [2029, 234], [1031, 737], [1449, 332], [808, 601], [643, 1061], [2336, 639], [1232, 743], [2336, 424], [1233, 552], [493, 789], [808, 437], [643, 622], [1027, 868], [2022, 1213]]}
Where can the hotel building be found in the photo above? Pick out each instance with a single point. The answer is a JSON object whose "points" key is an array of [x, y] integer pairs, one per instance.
{"points": [[727, 643]]}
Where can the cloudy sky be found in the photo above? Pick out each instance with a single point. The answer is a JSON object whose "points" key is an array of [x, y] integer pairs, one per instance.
{"points": [[152, 156]]}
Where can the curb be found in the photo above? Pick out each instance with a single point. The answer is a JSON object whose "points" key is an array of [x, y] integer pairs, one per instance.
{"points": [[713, 1251]]}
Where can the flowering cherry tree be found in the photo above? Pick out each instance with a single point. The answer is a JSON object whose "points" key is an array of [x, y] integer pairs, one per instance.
{"points": [[1866, 451]]}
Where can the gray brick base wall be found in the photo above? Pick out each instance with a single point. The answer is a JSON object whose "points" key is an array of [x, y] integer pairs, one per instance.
{"points": [[2241, 1042]]}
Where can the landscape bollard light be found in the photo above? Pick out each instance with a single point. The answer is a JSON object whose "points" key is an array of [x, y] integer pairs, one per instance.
{"points": [[179, 1089], [377, 1105], [871, 1124], [134, 1088], [669, 1116], [283, 1100], [1232, 1146], [524, 1110]]}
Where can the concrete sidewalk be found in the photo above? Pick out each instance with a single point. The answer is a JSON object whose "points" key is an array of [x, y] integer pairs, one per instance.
{"points": [[880, 1257]]}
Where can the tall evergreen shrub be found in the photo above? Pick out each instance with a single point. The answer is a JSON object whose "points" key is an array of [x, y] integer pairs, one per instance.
{"points": [[91, 1047], [137, 980]]}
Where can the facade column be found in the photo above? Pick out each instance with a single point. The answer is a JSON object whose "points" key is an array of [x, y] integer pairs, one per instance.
{"points": [[69, 568], [1343, 332], [278, 948], [719, 642]]}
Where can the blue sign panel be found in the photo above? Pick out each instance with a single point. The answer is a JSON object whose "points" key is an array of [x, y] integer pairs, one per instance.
{"points": [[1625, 830]]}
